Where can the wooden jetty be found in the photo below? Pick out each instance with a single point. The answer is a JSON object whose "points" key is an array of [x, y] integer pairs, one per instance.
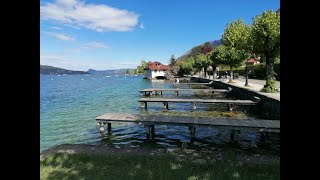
{"points": [[264, 126], [165, 101], [155, 91], [178, 84]]}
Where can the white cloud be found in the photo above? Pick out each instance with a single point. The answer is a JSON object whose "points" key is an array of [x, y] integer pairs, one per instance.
{"points": [[97, 17], [141, 26], [95, 45], [60, 36], [55, 27]]}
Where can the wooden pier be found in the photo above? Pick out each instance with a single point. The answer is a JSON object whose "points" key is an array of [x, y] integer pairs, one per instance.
{"points": [[178, 84], [155, 91], [165, 101], [264, 126]]}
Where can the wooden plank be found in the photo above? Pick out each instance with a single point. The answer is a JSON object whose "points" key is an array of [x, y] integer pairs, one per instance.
{"points": [[268, 125]]}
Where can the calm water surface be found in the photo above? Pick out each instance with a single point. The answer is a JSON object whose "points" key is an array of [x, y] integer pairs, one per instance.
{"points": [[69, 105]]}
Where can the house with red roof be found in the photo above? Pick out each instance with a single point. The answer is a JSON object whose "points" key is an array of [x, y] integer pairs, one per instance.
{"points": [[156, 70], [252, 61]]}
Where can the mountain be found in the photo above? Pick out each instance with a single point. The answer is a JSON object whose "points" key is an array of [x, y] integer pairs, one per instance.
{"points": [[214, 43], [108, 72], [50, 70]]}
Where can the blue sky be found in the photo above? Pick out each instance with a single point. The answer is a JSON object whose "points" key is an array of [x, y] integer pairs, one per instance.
{"points": [[113, 34]]}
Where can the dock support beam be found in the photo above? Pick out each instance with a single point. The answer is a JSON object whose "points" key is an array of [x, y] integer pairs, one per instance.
{"points": [[264, 137], [109, 128], [165, 105], [234, 135], [194, 106], [177, 93], [161, 93], [230, 106], [101, 128], [192, 131], [150, 131], [144, 105]]}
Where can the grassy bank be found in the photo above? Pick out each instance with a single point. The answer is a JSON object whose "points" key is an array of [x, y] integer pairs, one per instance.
{"points": [[128, 166]]}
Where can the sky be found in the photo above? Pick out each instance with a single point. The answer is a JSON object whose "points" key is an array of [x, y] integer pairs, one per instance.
{"points": [[114, 34]]}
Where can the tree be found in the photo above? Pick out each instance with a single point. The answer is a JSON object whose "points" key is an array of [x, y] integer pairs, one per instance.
{"points": [[238, 35], [128, 71], [142, 66], [229, 56], [214, 62], [172, 61], [186, 66], [266, 42], [202, 62]]}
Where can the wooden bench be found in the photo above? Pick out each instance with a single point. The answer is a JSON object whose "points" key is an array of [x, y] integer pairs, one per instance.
{"points": [[165, 102]]}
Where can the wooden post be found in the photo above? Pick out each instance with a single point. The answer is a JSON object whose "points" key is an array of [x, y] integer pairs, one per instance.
{"points": [[194, 106], [152, 131], [161, 93], [101, 127], [177, 92], [192, 131], [234, 135], [145, 93], [142, 105], [147, 131], [109, 128], [165, 105], [230, 106], [145, 105], [156, 92]]}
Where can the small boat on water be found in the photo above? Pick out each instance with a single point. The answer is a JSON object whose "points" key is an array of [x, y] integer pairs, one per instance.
{"points": [[108, 76]]}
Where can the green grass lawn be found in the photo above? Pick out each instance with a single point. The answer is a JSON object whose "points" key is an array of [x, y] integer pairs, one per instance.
{"points": [[83, 166]]}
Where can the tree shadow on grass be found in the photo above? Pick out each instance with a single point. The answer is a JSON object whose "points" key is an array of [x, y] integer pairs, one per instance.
{"points": [[83, 166]]}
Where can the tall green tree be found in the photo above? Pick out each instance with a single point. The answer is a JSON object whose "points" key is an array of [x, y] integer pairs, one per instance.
{"points": [[266, 42], [142, 66], [186, 66], [214, 62], [237, 35], [172, 61], [229, 56], [202, 61]]}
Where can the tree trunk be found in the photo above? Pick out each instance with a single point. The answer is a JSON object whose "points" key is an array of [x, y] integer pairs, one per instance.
{"points": [[205, 72], [270, 71], [214, 73], [231, 74]]}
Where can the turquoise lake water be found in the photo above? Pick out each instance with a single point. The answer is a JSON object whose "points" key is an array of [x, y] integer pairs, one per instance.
{"points": [[69, 105]]}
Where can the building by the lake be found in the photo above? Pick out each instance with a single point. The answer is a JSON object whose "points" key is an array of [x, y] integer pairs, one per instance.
{"points": [[156, 70]]}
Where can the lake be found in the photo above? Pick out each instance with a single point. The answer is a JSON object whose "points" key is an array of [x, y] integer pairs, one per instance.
{"points": [[69, 105]]}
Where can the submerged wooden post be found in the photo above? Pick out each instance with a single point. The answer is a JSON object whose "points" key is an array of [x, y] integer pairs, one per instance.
{"points": [[230, 106], [152, 131], [109, 128], [101, 128], [147, 131], [192, 131], [161, 93], [194, 106], [165, 105], [234, 135], [177, 93]]}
